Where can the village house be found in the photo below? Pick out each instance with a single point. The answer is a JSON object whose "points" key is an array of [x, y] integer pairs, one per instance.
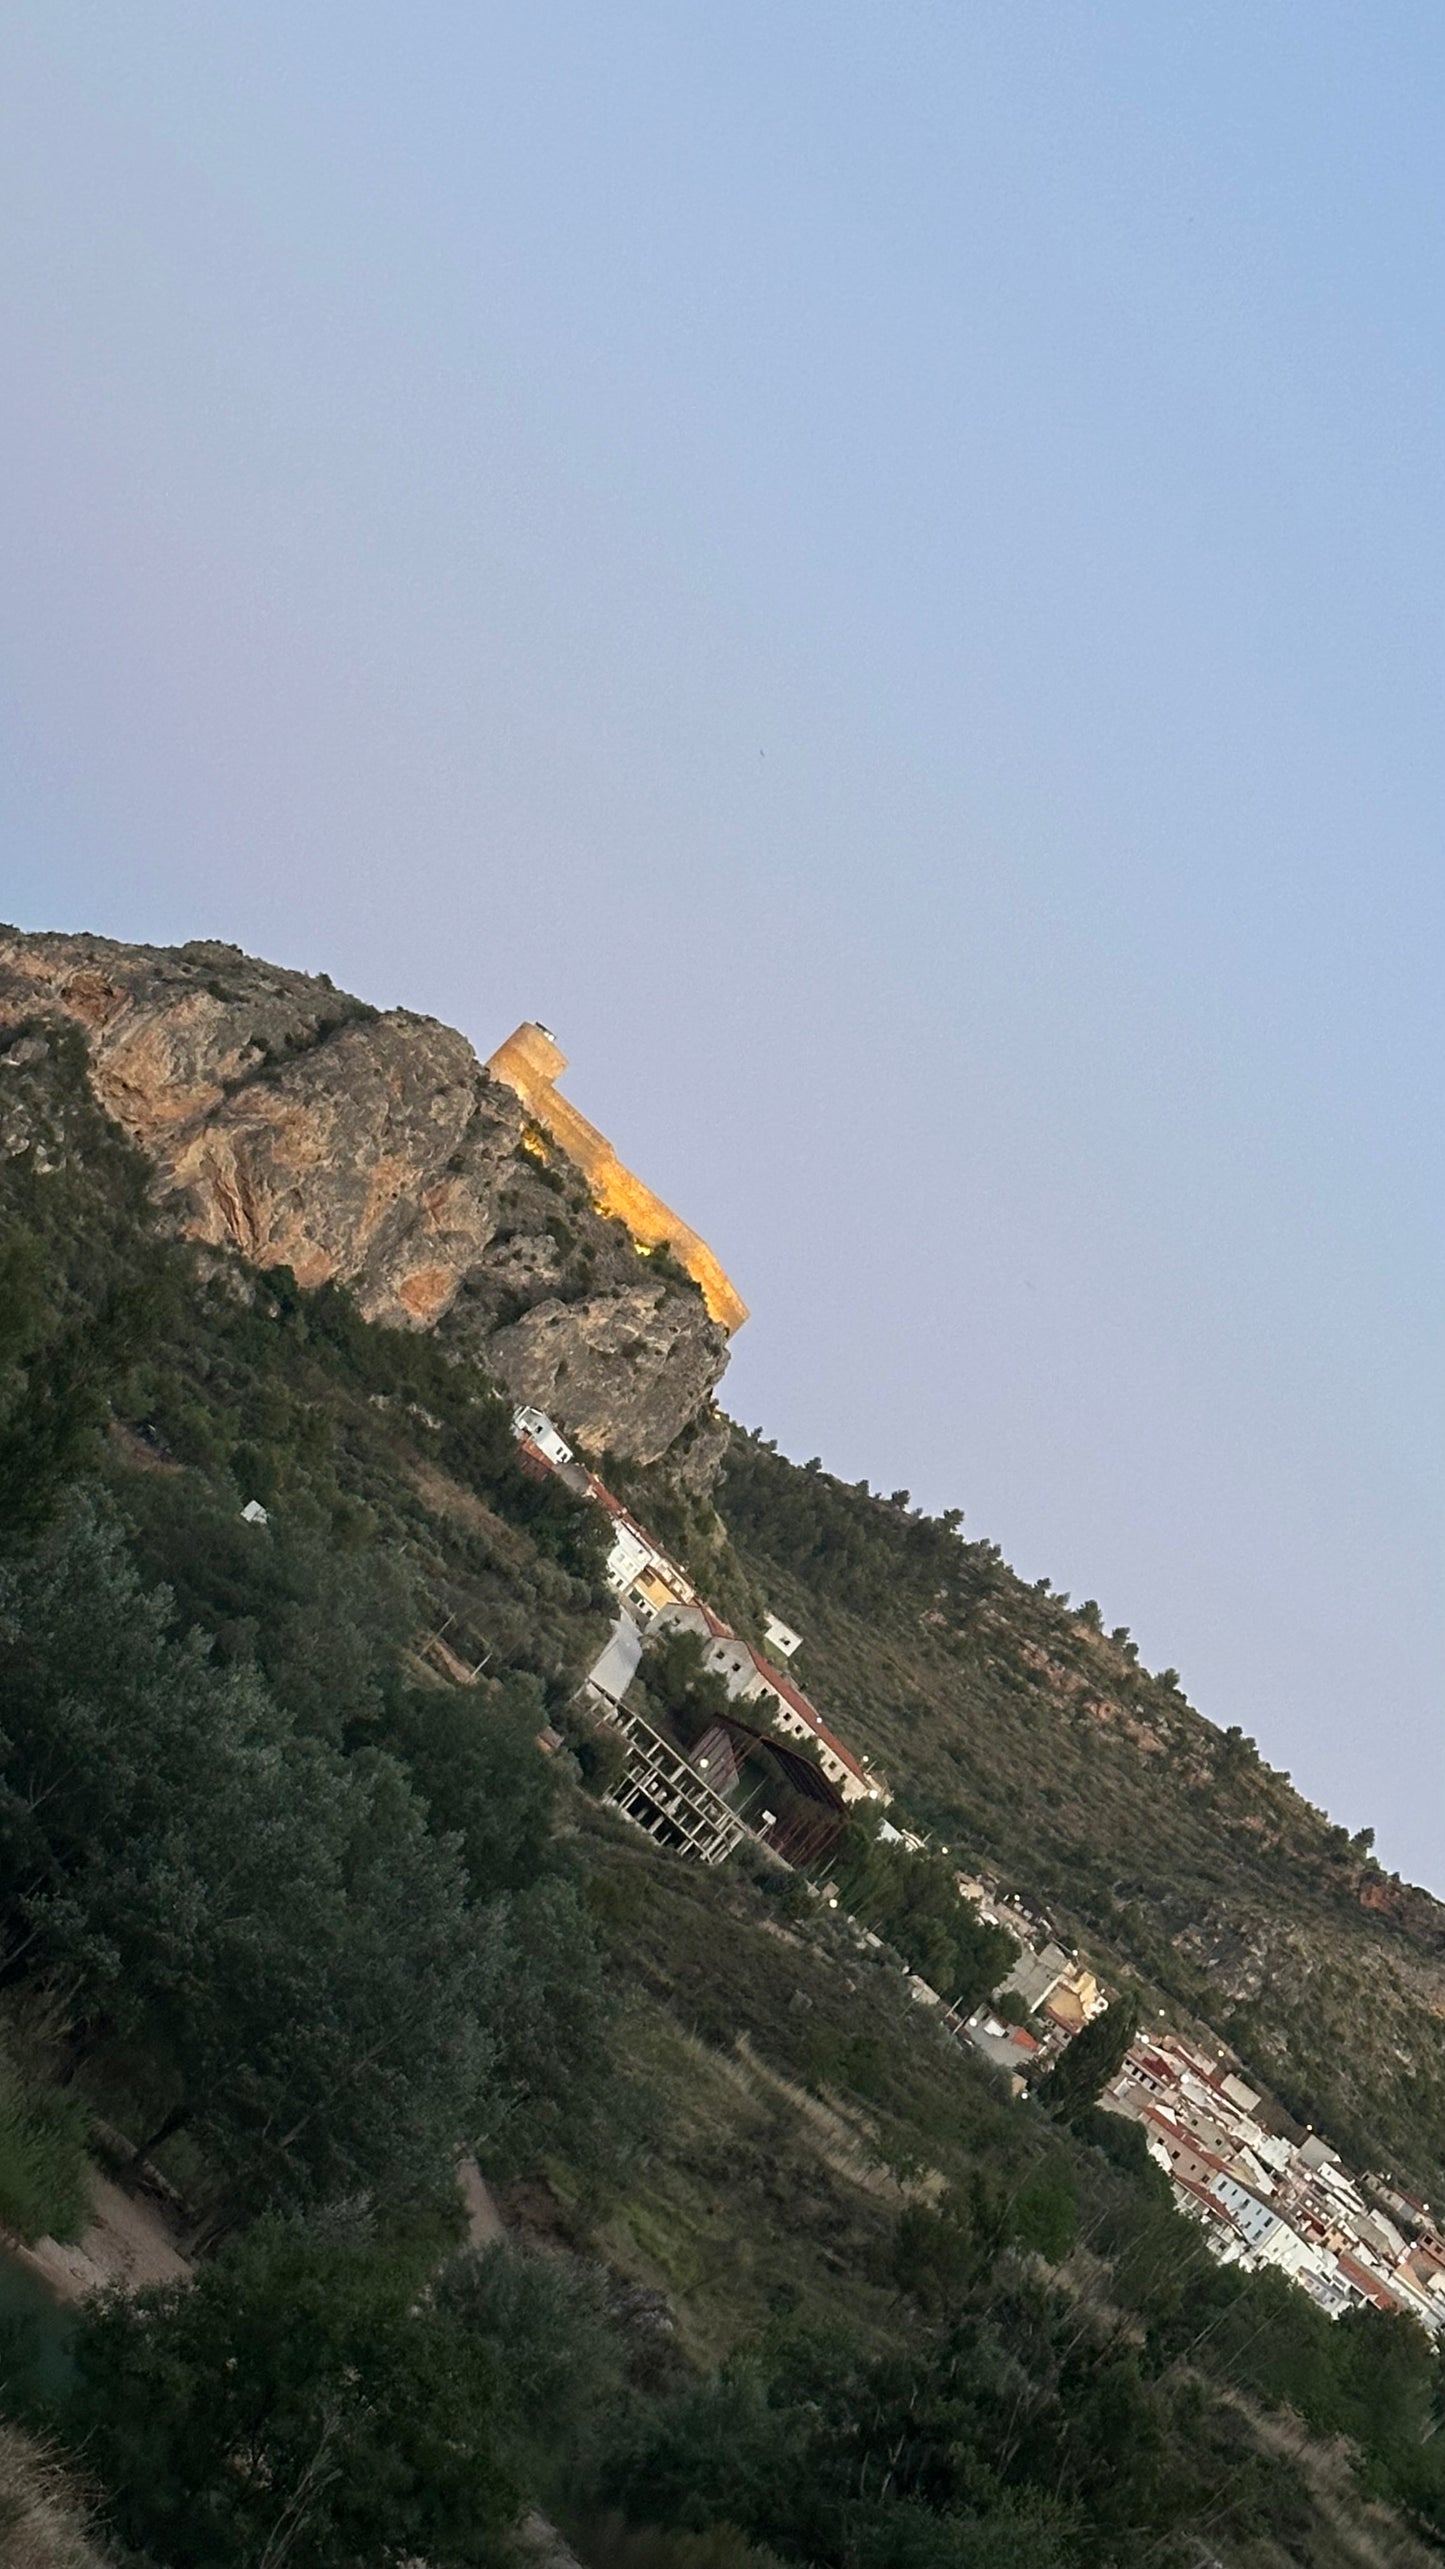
{"points": [[1074, 2001], [752, 1679], [638, 1569], [1218, 2224], [548, 1439], [797, 1718]]}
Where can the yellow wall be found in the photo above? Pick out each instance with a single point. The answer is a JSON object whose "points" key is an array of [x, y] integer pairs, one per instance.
{"points": [[530, 1064]]}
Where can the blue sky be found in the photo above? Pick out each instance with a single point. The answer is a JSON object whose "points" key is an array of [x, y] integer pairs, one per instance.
{"points": [[880, 570]]}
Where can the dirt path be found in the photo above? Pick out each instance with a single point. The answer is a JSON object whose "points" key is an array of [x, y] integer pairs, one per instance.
{"points": [[539, 2542], [542, 2546], [485, 2225], [127, 2240], [844, 2140]]}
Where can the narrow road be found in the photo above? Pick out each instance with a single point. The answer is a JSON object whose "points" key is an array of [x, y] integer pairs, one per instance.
{"points": [[613, 1670]]}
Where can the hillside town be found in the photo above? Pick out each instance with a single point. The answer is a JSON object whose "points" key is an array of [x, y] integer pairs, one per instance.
{"points": [[1264, 2195], [772, 1747], [1264, 2198]]}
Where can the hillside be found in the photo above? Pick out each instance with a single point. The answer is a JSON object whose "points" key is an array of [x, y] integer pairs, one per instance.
{"points": [[294, 1913], [1036, 1742]]}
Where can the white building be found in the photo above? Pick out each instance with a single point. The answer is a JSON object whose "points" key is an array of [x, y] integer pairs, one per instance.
{"points": [[638, 1570], [548, 1439], [780, 1637], [752, 1679], [1270, 2240], [630, 1554]]}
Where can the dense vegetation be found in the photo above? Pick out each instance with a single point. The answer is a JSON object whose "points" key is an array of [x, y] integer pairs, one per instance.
{"points": [[292, 1918]]}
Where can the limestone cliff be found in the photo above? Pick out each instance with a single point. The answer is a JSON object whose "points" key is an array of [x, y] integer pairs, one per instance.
{"points": [[302, 1128]]}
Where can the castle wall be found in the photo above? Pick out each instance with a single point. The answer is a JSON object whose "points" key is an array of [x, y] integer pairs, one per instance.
{"points": [[530, 1064]]}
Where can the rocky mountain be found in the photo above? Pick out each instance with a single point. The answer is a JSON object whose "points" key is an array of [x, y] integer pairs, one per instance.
{"points": [[302, 1128], [292, 1908]]}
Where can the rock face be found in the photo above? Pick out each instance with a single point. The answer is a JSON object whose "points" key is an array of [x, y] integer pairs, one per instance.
{"points": [[301, 1128]]}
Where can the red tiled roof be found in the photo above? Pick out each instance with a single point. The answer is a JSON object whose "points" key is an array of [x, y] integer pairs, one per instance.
{"points": [[1154, 2062], [1370, 2285], [614, 1507], [623, 1516], [794, 1697]]}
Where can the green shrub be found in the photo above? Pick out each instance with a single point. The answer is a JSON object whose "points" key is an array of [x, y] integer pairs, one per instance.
{"points": [[297, 2402], [43, 2190], [1013, 2007], [615, 2545]]}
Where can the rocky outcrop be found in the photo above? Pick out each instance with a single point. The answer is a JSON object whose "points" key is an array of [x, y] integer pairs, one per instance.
{"points": [[631, 1362], [300, 1128]]}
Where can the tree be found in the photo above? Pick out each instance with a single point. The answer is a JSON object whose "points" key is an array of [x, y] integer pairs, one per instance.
{"points": [[1024, 2436], [690, 1695], [1013, 2007], [550, 2007], [54, 1373], [272, 1927], [914, 1901], [938, 2253], [298, 2402], [1087, 2065], [1045, 2216], [542, 2319], [473, 1758]]}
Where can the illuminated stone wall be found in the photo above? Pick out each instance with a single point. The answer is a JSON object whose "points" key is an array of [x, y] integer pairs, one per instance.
{"points": [[530, 1064]]}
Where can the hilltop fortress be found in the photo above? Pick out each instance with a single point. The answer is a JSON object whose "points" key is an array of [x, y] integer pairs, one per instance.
{"points": [[530, 1064], [290, 1123]]}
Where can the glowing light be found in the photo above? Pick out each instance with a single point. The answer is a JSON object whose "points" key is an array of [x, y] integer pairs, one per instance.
{"points": [[530, 1064]]}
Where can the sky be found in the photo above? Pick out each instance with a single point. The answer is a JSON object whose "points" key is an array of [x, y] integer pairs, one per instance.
{"points": [[879, 569]]}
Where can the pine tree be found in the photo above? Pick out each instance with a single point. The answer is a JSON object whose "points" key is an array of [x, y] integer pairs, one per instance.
{"points": [[1081, 2073]]}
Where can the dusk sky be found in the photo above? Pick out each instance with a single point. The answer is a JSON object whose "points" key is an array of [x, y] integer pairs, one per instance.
{"points": [[880, 570]]}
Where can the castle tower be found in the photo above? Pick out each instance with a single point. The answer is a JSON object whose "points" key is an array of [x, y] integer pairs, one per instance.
{"points": [[530, 1063]]}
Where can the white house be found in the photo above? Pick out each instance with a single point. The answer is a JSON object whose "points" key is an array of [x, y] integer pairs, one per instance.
{"points": [[1238, 2094], [780, 1638], [638, 1570], [549, 1439], [751, 1679], [630, 1553], [1268, 2239]]}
